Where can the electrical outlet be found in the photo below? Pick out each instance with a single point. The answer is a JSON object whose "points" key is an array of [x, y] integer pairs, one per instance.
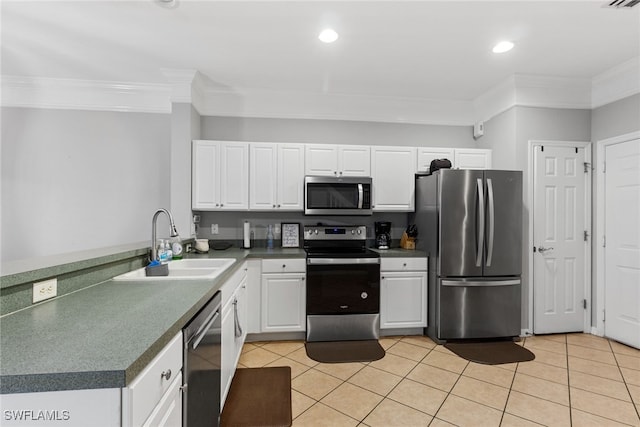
{"points": [[45, 290], [196, 219], [214, 228]]}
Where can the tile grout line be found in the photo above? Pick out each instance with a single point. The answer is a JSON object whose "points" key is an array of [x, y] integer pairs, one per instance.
{"points": [[624, 380]]}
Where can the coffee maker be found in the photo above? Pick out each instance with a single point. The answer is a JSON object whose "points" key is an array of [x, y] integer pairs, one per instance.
{"points": [[383, 234]]}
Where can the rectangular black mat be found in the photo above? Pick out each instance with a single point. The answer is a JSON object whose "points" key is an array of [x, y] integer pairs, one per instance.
{"points": [[344, 351], [259, 397], [491, 352]]}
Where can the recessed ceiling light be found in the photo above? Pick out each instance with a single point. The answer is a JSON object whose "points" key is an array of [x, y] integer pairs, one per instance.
{"points": [[328, 35], [502, 47]]}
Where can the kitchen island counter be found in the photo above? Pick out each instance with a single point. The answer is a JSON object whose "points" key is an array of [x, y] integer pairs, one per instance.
{"points": [[103, 336]]}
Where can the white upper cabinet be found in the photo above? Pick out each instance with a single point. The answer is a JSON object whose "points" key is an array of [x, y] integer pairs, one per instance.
{"points": [[354, 160], [337, 160], [472, 158], [393, 172], [277, 176], [220, 175], [427, 154], [461, 158]]}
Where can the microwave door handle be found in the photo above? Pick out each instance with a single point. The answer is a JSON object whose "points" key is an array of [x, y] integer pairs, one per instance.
{"points": [[360, 196]]}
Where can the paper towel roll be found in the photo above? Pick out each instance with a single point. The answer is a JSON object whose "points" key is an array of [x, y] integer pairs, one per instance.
{"points": [[247, 235]]}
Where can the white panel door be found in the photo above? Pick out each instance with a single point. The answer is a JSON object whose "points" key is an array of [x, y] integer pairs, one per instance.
{"points": [[403, 299], [622, 248], [472, 158], [354, 160], [283, 302], [321, 160], [205, 184], [234, 176], [393, 173], [427, 154], [558, 229], [290, 183], [262, 180]]}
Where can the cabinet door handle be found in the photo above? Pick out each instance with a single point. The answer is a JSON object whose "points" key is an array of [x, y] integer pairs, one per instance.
{"points": [[284, 265], [236, 320], [404, 264], [166, 374]]}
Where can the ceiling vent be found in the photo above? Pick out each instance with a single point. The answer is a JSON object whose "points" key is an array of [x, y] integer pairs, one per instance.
{"points": [[622, 4]]}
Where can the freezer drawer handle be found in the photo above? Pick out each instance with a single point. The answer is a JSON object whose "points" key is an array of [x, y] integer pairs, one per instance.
{"points": [[466, 284]]}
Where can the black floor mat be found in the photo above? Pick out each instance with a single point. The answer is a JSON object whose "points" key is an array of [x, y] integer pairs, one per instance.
{"points": [[344, 351], [259, 397], [491, 352]]}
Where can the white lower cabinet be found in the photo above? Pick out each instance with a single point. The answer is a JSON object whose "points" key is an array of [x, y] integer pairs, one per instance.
{"points": [[234, 327], [283, 295], [168, 412], [144, 397], [403, 293]]}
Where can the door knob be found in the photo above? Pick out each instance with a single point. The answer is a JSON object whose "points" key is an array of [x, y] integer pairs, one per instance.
{"points": [[542, 249]]}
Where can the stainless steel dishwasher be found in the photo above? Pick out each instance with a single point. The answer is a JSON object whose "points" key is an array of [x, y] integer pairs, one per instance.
{"points": [[202, 354]]}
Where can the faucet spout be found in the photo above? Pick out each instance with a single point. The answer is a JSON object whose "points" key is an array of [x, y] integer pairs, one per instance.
{"points": [[172, 230]]}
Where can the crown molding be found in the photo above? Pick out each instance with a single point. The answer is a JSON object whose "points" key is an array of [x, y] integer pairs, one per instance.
{"points": [[190, 86], [306, 105], [45, 92], [616, 83], [533, 91]]}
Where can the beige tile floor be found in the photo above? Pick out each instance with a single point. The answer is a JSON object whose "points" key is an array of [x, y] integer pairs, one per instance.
{"points": [[575, 380]]}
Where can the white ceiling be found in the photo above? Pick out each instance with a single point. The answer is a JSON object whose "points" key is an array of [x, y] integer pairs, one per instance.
{"points": [[438, 50]]}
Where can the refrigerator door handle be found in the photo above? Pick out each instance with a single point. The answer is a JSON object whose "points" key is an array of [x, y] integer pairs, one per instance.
{"points": [[476, 283], [492, 215], [480, 222]]}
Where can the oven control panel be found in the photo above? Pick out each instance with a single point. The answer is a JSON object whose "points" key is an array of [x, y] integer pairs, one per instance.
{"points": [[328, 232]]}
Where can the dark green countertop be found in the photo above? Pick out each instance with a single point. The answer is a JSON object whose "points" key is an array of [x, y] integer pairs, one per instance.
{"points": [[104, 335]]}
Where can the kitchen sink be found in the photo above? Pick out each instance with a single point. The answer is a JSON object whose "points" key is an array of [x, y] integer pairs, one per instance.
{"points": [[203, 268]]}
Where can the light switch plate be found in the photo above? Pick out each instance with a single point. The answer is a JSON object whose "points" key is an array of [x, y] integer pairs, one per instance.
{"points": [[45, 290]]}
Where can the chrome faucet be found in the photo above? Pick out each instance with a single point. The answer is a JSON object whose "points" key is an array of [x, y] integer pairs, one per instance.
{"points": [[172, 227]]}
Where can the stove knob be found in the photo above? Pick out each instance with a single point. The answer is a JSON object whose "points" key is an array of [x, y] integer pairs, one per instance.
{"points": [[316, 231], [359, 231], [364, 295], [353, 231]]}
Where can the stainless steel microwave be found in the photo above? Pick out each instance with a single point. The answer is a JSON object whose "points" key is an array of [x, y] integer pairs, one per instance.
{"points": [[325, 195]]}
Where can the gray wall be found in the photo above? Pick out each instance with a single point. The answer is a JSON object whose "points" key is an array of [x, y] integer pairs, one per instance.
{"points": [[77, 180], [185, 127], [500, 136], [617, 118], [508, 134], [336, 132]]}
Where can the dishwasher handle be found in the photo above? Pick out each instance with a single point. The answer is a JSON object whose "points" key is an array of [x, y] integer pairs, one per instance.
{"points": [[202, 331]]}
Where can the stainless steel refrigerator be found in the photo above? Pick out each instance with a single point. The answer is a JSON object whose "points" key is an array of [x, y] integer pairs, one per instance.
{"points": [[470, 223]]}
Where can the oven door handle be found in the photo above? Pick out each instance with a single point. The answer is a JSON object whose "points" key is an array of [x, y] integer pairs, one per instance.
{"points": [[342, 261]]}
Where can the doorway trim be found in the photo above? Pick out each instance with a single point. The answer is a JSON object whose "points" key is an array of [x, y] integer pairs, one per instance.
{"points": [[587, 211], [600, 223]]}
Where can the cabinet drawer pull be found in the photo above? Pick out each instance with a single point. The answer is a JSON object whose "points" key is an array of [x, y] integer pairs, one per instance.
{"points": [[284, 265], [166, 374]]}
